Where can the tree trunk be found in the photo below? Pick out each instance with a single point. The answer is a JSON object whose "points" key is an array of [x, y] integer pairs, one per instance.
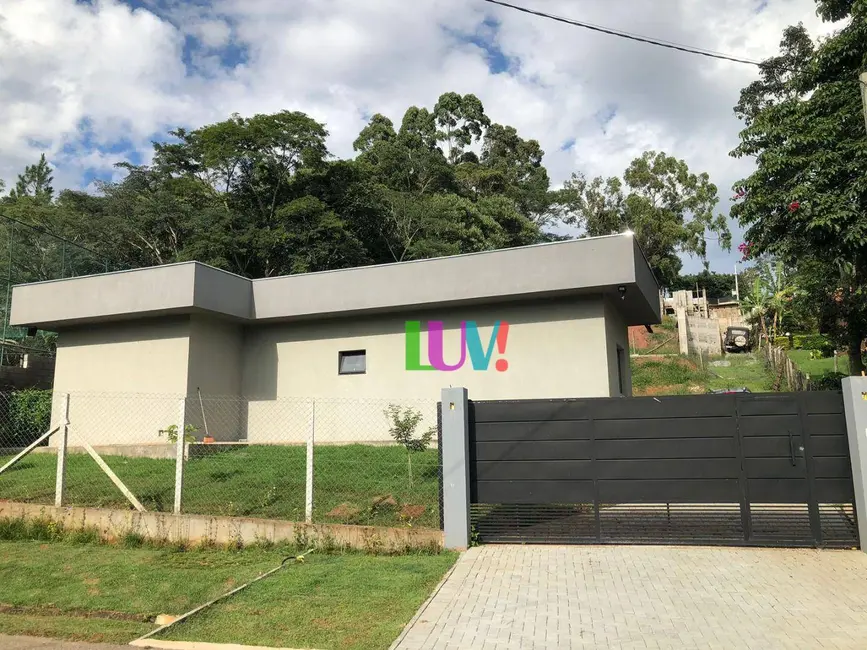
{"points": [[856, 362]]}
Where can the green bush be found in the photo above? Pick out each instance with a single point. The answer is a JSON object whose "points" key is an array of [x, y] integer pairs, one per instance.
{"points": [[29, 416], [829, 381], [812, 342], [815, 342]]}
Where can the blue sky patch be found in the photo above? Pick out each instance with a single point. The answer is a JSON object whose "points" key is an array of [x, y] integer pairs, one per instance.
{"points": [[485, 38]]}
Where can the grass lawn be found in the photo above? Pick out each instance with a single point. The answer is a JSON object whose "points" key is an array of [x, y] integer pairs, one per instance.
{"points": [[257, 481], [109, 594], [350, 602], [663, 340], [682, 375], [818, 367]]}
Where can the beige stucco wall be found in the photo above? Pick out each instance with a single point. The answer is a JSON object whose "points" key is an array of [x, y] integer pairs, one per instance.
{"points": [[215, 368], [120, 377], [556, 348], [617, 334], [270, 383]]}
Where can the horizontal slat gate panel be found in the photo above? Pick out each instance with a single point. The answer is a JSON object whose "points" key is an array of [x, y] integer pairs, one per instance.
{"points": [[704, 427], [651, 408], [830, 446], [778, 490], [673, 469], [764, 404], [528, 470], [775, 468], [832, 468], [769, 425], [536, 492], [666, 448], [825, 424], [823, 401], [834, 490], [669, 491], [770, 446], [530, 410], [663, 469], [535, 450], [529, 431]]}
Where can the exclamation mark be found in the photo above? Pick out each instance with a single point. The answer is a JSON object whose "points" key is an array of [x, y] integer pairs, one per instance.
{"points": [[502, 365]]}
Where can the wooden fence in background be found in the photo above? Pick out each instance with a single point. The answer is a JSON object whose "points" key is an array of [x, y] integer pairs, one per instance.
{"points": [[787, 376]]}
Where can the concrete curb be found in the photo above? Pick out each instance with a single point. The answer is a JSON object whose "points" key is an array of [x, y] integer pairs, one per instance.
{"points": [[198, 645]]}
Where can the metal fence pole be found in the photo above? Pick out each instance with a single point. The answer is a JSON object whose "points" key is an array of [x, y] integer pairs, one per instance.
{"points": [[60, 485], [308, 501], [179, 456], [8, 293]]}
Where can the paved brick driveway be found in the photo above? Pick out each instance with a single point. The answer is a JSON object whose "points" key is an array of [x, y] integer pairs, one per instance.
{"points": [[627, 597]]}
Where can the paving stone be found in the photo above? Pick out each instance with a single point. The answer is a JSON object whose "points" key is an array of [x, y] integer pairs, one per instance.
{"points": [[659, 598]]}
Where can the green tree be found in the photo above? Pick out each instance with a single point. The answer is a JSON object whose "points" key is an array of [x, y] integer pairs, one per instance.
{"points": [[460, 121], [719, 286], [669, 209], [436, 203], [35, 183], [806, 202]]}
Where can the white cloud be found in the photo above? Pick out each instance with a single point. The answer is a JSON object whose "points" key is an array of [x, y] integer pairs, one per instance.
{"points": [[121, 72]]}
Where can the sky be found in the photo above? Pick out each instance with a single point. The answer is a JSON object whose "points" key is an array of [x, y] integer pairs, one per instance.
{"points": [[94, 82]]}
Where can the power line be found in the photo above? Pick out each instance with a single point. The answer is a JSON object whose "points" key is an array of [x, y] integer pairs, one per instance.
{"points": [[621, 34]]}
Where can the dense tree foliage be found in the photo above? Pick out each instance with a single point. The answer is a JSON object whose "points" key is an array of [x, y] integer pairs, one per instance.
{"points": [[719, 286], [806, 203], [670, 210], [262, 196]]}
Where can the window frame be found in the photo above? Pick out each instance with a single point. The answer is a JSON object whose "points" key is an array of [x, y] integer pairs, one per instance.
{"points": [[342, 354]]}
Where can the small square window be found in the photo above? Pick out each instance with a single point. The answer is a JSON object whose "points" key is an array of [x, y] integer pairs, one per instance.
{"points": [[352, 363]]}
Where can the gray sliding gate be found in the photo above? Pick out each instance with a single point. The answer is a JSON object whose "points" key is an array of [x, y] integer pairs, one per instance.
{"points": [[739, 469]]}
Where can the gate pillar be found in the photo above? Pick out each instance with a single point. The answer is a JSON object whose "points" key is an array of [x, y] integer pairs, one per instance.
{"points": [[855, 404], [456, 468]]}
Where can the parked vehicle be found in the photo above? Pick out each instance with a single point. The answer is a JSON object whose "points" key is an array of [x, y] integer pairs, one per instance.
{"points": [[737, 339]]}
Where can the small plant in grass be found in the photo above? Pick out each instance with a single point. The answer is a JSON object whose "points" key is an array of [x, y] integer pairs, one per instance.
{"points": [[403, 423], [171, 433], [131, 539]]}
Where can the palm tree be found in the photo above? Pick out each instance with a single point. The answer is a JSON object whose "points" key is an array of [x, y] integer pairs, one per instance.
{"points": [[769, 297], [756, 305], [780, 289]]}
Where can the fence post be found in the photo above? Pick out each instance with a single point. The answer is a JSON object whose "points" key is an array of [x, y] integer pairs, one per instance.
{"points": [[456, 468], [855, 405], [308, 499], [179, 456], [60, 485]]}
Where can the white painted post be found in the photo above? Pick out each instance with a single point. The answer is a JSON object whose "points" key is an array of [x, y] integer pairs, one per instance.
{"points": [[179, 456], [60, 484], [308, 501]]}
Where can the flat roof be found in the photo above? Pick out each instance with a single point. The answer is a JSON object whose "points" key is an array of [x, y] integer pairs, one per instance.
{"points": [[597, 265]]}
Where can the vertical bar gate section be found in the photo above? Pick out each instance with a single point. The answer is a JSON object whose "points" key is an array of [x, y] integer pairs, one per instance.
{"points": [[765, 470]]}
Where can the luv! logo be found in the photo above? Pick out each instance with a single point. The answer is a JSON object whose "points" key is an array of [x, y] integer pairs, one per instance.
{"points": [[471, 345]]}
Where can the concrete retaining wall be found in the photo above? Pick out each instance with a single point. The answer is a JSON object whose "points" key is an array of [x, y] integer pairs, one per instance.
{"points": [[196, 529]]}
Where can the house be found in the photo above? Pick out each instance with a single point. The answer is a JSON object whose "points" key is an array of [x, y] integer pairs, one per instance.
{"points": [[543, 321]]}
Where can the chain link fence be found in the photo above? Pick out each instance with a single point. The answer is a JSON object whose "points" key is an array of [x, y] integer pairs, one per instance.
{"points": [[321, 460]]}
